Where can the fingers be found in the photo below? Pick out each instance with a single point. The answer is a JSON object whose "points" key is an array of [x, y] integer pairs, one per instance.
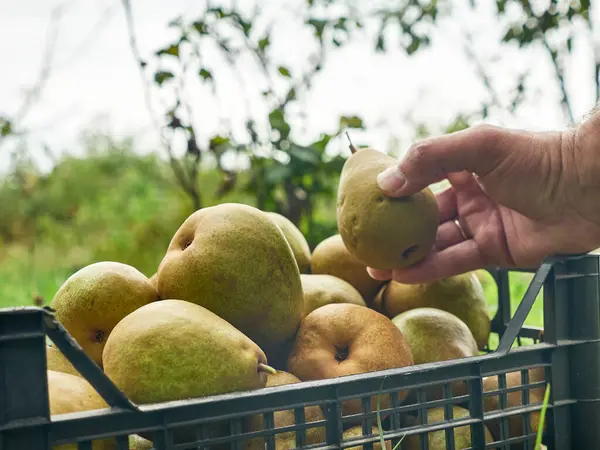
{"points": [[454, 260], [446, 201], [477, 150], [448, 234]]}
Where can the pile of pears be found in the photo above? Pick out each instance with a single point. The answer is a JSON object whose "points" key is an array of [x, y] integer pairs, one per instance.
{"points": [[241, 302]]}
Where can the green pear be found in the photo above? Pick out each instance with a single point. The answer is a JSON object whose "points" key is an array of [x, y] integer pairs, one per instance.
{"points": [[437, 439], [357, 432], [174, 350], [56, 361], [137, 442], [321, 290], [461, 295], [331, 257], [284, 418], [234, 261], [437, 335], [381, 231], [295, 238], [69, 393], [95, 298]]}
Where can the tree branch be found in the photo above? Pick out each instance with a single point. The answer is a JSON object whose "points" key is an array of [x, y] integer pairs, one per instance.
{"points": [[174, 163]]}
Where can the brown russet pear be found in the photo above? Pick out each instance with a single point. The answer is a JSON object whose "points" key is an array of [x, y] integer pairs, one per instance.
{"points": [[95, 298], [491, 403], [56, 361], [284, 418], [321, 290], [436, 335], [345, 339], [461, 295], [153, 281], [357, 432], [437, 439], [331, 257], [69, 393], [295, 238], [381, 231], [234, 261], [174, 350]]}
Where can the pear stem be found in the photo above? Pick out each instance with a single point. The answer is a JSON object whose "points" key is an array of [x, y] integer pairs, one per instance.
{"points": [[352, 147], [265, 368]]}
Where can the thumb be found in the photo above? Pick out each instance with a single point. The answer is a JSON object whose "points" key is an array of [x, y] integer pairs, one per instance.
{"points": [[478, 150]]}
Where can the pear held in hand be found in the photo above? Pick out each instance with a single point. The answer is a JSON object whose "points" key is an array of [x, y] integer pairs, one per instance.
{"points": [[381, 231]]}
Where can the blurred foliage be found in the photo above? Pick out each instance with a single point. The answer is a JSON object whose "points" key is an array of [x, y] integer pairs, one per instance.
{"points": [[111, 203]]}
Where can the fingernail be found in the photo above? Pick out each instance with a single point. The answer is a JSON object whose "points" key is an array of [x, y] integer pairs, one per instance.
{"points": [[391, 180]]}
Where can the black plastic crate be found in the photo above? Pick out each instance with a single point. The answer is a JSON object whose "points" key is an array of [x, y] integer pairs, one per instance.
{"points": [[567, 350]]}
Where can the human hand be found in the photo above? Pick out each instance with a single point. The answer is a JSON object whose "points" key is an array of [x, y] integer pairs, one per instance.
{"points": [[516, 197]]}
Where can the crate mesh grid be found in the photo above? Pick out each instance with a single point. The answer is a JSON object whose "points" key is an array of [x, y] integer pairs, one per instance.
{"points": [[567, 351]]}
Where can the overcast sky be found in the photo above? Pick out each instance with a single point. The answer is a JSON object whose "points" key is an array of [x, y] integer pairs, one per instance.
{"points": [[95, 83]]}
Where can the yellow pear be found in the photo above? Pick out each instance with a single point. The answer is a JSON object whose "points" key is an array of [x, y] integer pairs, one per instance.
{"points": [[321, 290], [331, 257], [491, 403], [284, 418], [380, 231], [437, 439], [234, 261], [174, 350], [70, 393], [58, 362], [461, 295], [357, 432], [295, 238], [94, 299]]}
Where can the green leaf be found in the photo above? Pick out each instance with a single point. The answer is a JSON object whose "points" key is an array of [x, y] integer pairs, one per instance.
{"points": [[319, 26], [414, 45], [200, 27], [218, 141], [161, 76], [278, 174], [263, 43], [205, 74], [351, 122], [380, 46], [278, 122], [5, 127], [304, 154], [284, 71], [246, 26], [321, 144], [172, 49]]}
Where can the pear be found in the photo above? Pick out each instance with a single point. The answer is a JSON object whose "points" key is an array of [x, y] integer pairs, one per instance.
{"points": [[436, 335], [461, 295], [284, 418], [331, 257], [56, 361], [491, 403], [380, 231], [69, 393], [321, 290], [234, 261], [295, 238], [345, 339], [152, 280], [357, 432], [174, 350], [95, 298], [437, 439], [137, 442]]}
